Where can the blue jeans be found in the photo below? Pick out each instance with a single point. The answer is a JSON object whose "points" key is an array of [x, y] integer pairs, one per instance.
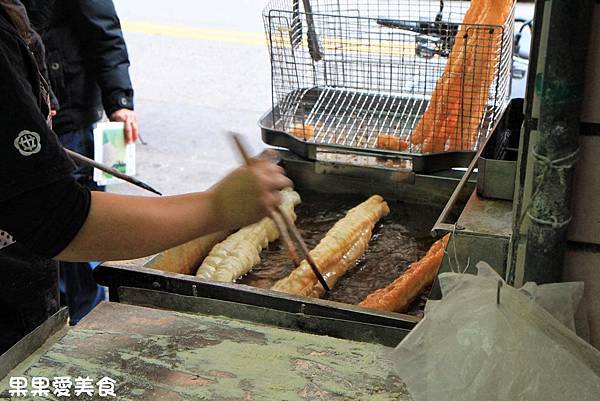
{"points": [[78, 289]]}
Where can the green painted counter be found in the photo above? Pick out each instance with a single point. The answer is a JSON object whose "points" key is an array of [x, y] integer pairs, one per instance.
{"points": [[169, 356]]}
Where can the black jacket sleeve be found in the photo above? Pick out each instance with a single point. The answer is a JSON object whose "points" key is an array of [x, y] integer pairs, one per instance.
{"points": [[45, 220], [41, 205], [105, 48]]}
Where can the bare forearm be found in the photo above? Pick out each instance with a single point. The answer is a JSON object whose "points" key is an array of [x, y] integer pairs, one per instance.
{"points": [[126, 227]]}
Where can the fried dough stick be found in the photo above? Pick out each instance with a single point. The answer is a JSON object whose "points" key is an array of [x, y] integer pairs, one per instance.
{"points": [[398, 296], [185, 259], [240, 252], [458, 102], [391, 142], [338, 251]]}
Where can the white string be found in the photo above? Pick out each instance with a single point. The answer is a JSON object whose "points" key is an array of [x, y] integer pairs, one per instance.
{"points": [[453, 238], [561, 165], [553, 222]]}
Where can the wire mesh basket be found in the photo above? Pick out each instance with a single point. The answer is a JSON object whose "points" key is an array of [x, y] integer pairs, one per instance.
{"points": [[395, 78]]}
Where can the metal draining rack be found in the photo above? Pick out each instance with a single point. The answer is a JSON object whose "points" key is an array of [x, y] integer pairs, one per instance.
{"points": [[346, 72], [354, 118]]}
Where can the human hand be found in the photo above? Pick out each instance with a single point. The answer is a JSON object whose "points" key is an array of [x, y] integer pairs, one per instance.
{"points": [[129, 118], [248, 193]]}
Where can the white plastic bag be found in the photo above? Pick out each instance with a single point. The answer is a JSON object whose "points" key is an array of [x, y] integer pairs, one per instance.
{"points": [[469, 348], [560, 299]]}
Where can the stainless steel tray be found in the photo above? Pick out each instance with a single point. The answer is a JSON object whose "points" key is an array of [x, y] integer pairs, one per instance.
{"points": [[419, 163]]}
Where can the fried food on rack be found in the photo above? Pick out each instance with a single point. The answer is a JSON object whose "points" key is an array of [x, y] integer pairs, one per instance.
{"points": [[458, 103], [240, 252], [305, 132], [391, 142], [398, 296], [338, 251]]}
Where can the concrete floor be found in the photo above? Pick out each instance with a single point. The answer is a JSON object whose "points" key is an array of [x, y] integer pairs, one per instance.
{"points": [[199, 68]]}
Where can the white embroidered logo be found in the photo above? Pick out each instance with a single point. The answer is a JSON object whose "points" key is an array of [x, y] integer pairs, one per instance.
{"points": [[28, 143]]}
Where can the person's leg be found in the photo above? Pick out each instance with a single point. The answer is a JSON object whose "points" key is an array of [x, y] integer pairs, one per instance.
{"points": [[82, 142], [78, 289], [28, 293]]}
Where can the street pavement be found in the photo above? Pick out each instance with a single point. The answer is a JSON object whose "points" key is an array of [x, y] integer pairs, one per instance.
{"points": [[199, 69]]}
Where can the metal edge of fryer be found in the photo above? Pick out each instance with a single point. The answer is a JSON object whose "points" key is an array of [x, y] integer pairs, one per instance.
{"points": [[319, 325], [114, 276]]}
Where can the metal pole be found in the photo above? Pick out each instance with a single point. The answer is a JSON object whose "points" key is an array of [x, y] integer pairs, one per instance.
{"points": [[528, 125], [560, 89]]}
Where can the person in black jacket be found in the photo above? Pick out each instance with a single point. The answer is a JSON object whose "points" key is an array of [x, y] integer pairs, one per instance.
{"points": [[51, 216], [87, 63]]}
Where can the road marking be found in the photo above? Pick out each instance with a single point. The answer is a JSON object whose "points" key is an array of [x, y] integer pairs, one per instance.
{"points": [[204, 34], [281, 39]]}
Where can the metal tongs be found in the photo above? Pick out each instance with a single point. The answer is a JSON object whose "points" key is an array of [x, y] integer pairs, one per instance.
{"points": [[285, 225]]}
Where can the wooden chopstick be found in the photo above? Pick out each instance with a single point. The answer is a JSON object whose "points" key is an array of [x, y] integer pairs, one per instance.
{"points": [[279, 221], [278, 217], [285, 238], [311, 262]]}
